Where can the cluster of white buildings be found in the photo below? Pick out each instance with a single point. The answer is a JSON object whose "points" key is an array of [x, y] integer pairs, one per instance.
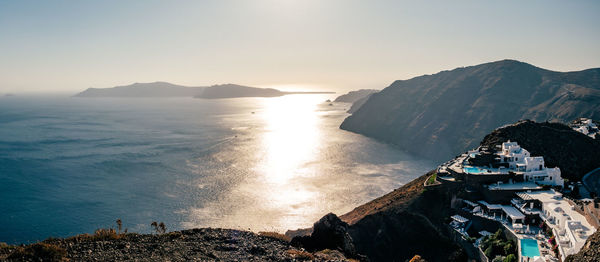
{"points": [[587, 127], [533, 169], [570, 228], [514, 170]]}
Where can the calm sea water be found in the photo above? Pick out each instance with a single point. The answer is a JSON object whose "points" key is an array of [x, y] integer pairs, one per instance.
{"points": [[71, 165]]}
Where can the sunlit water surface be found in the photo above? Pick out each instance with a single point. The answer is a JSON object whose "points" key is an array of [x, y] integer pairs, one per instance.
{"points": [[71, 165]]}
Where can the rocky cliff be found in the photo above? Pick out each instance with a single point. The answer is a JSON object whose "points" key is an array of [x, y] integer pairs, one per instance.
{"points": [[441, 115]]}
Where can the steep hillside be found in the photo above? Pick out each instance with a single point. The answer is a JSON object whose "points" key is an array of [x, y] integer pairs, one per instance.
{"points": [[441, 115], [576, 154], [403, 223]]}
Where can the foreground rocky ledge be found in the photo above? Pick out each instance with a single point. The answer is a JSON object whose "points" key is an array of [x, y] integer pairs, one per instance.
{"points": [[204, 244]]}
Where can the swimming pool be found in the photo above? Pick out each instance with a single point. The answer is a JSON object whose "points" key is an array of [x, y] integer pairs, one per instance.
{"points": [[529, 248], [474, 170]]}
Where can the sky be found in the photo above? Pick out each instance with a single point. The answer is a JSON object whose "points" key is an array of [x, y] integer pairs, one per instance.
{"points": [[333, 45]]}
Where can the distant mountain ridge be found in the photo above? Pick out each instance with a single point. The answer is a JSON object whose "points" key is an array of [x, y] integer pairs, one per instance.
{"points": [[443, 114], [165, 89]]}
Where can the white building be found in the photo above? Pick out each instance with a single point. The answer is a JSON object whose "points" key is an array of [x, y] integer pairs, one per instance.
{"points": [[570, 227], [512, 154], [532, 168], [587, 127]]}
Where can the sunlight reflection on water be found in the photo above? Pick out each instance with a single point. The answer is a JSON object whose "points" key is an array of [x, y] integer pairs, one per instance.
{"points": [[300, 166]]}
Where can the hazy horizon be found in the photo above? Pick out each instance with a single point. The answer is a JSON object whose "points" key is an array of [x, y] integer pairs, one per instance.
{"points": [[66, 47]]}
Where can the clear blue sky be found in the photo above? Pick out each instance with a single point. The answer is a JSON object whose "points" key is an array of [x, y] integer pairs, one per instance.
{"points": [[68, 46]]}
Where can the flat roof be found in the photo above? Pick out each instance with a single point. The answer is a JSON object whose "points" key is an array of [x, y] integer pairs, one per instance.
{"points": [[513, 212], [553, 200], [490, 206], [460, 218]]}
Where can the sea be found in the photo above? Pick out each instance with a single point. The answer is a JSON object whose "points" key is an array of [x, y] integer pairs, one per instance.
{"points": [[72, 165]]}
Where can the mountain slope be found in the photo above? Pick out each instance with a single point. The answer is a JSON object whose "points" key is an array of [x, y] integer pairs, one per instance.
{"points": [[155, 89], [441, 115]]}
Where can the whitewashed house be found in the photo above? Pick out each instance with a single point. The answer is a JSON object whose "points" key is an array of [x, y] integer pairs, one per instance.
{"points": [[533, 168]]}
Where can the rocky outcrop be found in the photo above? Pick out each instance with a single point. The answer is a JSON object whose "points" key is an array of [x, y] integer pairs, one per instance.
{"points": [[330, 232], [574, 153], [204, 244], [438, 116], [590, 251]]}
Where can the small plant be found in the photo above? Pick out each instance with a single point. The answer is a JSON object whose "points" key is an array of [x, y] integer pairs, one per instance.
{"points": [[159, 228], [105, 234], [119, 225]]}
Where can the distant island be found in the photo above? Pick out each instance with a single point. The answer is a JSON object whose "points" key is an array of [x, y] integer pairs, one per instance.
{"points": [[356, 98], [439, 115], [165, 89]]}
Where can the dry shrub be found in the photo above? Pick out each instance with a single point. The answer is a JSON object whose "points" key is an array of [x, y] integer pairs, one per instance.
{"points": [[275, 235], [39, 252], [299, 254], [101, 234], [105, 234]]}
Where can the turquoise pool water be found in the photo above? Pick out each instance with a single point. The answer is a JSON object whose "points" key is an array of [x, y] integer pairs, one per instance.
{"points": [[529, 248], [474, 170]]}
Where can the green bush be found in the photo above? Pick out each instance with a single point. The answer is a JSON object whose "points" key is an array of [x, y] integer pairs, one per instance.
{"points": [[510, 258], [497, 245]]}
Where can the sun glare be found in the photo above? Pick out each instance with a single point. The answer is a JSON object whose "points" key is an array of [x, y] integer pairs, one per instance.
{"points": [[291, 140]]}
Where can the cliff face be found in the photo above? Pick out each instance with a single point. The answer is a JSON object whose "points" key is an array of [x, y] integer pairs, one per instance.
{"points": [[441, 115], [576, 154]]}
